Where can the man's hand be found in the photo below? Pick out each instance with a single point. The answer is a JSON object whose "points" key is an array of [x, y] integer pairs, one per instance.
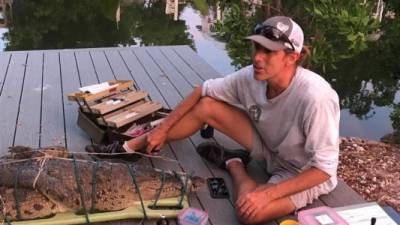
{"points": [[252, 203], [156, 139]]}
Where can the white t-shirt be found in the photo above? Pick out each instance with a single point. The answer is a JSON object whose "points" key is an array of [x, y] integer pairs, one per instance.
{"points": [[300, 126]]}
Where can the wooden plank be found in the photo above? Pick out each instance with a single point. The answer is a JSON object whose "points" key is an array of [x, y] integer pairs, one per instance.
{"points": [[118, 101], [10, 99], [139, 74], [184, 69], [196, 62], [128, 114], [5, 58], [117, 65], [52, 105], [102, 66], [157, 77], [169, 71], [115, 86], [293, 216], [342, 195], [101, 121], [76, 139], [28, 124], [220, 211], [87, 74]]}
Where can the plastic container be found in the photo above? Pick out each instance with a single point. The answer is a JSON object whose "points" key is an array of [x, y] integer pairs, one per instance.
{"points": [[320, 216], [192, 216]]}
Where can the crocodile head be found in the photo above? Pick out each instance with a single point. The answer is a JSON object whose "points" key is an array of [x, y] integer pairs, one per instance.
{"points": [[196, 183]]}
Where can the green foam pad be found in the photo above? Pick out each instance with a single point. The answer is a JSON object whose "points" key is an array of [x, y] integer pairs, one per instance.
{"points": [[164, 207]]}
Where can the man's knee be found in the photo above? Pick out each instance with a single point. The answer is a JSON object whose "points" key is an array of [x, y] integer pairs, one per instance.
{"points": [[206, 105]]}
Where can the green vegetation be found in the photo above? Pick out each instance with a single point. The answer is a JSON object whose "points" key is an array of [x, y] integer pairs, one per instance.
{"points": [[50, 24], [336, 29], [395, 117], [201, 5], [337, 32]]}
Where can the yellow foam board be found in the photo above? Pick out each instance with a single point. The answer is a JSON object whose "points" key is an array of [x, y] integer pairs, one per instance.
{"points": [[133, 212]]}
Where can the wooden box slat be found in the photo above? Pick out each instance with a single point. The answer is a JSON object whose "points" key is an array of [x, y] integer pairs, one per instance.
{"points": [[88, 97], [125, 99], [129, 114]]}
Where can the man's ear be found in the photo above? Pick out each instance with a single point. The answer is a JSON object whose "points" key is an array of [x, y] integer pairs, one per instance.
{"points": [[292, 58]]}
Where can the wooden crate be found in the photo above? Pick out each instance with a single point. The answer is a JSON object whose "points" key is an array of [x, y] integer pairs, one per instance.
{"points": [[107, 114]]}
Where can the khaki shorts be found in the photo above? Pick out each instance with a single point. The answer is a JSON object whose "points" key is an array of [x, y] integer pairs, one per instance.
{"points": [[280, 171]]}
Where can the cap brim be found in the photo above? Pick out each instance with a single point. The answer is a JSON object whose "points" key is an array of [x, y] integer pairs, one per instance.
{"points": [[267, 43]]}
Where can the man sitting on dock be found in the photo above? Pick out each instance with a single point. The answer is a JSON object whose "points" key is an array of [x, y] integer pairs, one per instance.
{"points": [[275, 109]]}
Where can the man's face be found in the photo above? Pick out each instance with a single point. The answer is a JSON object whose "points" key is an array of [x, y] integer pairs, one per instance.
{"points": [[266, 63]]}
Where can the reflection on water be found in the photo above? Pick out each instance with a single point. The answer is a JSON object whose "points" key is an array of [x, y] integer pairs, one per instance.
{"points": [[58, 24], [367, 89]]}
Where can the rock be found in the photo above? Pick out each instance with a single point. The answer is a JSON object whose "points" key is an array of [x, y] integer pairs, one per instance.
{"points": [[371, 168], [359, 148]]}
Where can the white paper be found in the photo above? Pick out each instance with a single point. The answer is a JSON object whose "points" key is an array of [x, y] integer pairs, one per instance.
{"points": [[324, 219], [362, 215], [95, 88]]}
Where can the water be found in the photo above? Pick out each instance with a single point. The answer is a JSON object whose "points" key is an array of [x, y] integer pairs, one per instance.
{"points": [[80, 24]]}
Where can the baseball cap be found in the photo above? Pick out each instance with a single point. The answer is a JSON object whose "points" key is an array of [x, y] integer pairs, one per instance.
{"points": [[278, 33]]}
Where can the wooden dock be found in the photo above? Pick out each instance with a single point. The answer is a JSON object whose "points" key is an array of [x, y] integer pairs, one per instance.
{"points": [[35, 111]]}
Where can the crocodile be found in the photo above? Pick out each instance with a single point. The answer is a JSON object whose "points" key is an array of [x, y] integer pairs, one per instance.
{"points": [[43, 182]]}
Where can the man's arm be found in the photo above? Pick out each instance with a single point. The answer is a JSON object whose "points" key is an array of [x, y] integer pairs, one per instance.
{"points": [[301, 182], [158, 136]]}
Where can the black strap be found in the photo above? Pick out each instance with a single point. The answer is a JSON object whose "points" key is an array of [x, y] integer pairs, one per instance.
{"points": [[78, 183], [133, 175], [161, 187], [16, 184], [94, 183]]}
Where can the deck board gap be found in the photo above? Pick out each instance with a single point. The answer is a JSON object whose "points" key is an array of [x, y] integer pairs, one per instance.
{"points": [[41, 104], [62, 97], [147, 72], [5, 75], [20, 99], [94, 67], [109, 65]]}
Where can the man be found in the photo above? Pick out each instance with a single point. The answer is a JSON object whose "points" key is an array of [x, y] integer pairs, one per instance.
{"points": [[274, 108]]}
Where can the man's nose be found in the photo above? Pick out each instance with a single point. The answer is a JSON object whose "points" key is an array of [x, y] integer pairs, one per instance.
{"points": [[258, 55]]}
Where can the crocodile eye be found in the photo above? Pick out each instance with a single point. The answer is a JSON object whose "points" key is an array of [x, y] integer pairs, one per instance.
{"points": [[38, 207]]}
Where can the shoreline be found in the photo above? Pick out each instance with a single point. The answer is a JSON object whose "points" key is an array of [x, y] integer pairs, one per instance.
{"points": [[377, 169]]}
